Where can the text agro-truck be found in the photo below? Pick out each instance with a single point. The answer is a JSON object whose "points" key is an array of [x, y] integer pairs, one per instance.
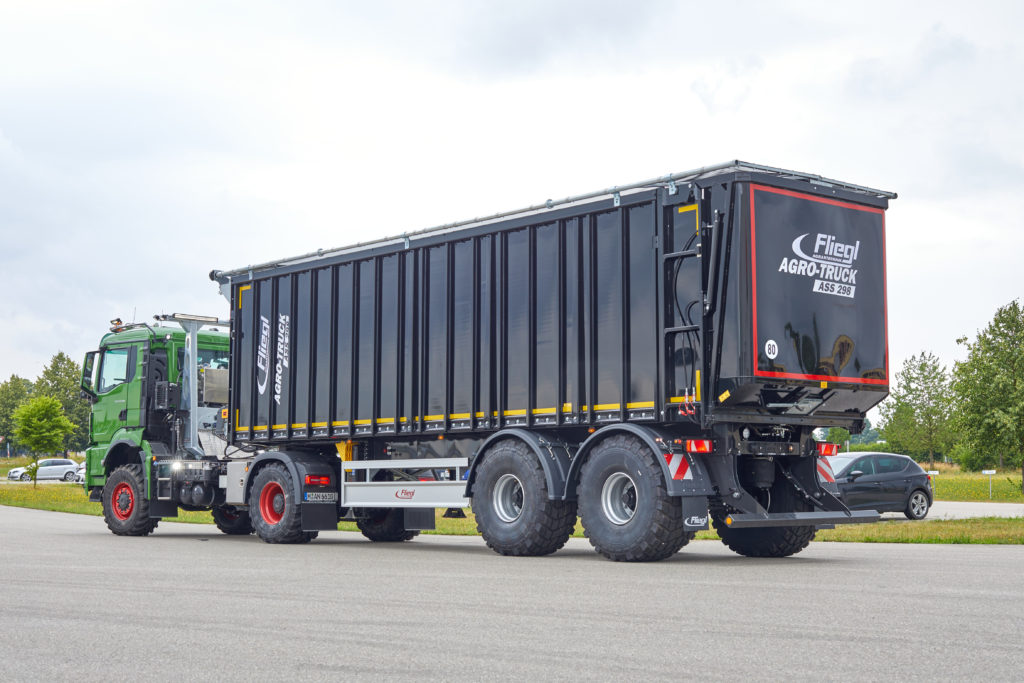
{"points": [[649, 358]]}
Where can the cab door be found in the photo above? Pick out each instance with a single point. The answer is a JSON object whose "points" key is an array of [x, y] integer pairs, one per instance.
{"points": [[110, 410]]}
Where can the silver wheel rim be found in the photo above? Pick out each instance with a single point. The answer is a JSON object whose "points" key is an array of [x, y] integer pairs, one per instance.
{"points": [[618, 498], [508, 498], [918, 504]]}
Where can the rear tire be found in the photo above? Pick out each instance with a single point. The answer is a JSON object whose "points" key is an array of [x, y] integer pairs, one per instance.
{"points": [[624, 504], [510, 500], [125, 508], [917, 505], [273, 508], [385, 525], [232, 521], [774, 541]]}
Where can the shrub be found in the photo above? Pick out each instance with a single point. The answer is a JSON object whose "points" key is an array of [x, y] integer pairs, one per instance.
{"points": [[971, 459]]}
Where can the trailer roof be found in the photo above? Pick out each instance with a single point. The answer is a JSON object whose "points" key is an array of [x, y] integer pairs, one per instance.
{"points": [[704, 172]]}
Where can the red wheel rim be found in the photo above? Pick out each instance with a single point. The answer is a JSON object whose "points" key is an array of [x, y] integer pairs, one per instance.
{"points": [[123, 501], [272, 502]]}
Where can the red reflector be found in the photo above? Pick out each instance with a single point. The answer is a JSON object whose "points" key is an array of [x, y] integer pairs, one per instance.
{"points": [[698, 445], [317, 480], [827, 449]]}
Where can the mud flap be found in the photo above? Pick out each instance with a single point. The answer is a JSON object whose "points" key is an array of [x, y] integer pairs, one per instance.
{"points": [[695, 512]]}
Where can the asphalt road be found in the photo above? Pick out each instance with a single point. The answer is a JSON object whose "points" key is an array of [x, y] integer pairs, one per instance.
{"points": [[189, 603]]}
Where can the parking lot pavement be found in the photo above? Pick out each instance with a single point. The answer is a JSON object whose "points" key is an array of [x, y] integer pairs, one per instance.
{"points": [[946, 509]]}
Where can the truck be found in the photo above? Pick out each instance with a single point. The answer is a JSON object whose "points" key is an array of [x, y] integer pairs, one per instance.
{"points": [[652, 359]]}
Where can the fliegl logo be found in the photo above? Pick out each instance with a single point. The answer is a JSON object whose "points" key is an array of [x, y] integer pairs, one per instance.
{"points": [[829, 261], [263, 356]]}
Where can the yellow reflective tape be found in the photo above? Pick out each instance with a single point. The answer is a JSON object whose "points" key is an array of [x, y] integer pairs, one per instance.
{"points": [[236, 419], [362, 422], [280, 426], [385, 420], [241, 429], [607, 406], [697, 388], [299, 426], [566, 407], [517, 411], [545, 411], [260, 428], [240, 290], [724, 396], [319, 424], [339, 423], [684, 209], [824, 385], [433, 418], [640, 404], [403, 419], [459, 416], [480, 414]]}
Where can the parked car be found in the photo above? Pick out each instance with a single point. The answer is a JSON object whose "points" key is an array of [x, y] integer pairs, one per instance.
{"points": [[886, 482], [49, 468], [80, 473]]}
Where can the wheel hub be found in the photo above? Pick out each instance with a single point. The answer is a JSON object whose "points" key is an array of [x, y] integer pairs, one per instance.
{"points": [[618, 498], [508, 498]]}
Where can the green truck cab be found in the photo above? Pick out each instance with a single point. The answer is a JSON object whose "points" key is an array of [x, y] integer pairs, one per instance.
{"points": [[134, 382]]}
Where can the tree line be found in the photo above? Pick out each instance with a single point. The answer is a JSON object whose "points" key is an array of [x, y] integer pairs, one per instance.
{"points": [[972, 414], [54, 396]]}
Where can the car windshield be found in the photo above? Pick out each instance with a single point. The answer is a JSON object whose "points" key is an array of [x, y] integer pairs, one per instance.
{"points": [[839, 462]]}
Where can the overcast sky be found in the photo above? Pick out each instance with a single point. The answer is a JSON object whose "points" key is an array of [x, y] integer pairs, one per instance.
{"points": [[143, 144]]}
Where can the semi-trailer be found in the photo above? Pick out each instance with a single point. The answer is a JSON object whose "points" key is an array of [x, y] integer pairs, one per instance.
{"points": [[650, 358]]}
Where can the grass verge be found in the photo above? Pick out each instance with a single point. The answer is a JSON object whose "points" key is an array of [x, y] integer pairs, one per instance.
{"points": [[987, 530]]}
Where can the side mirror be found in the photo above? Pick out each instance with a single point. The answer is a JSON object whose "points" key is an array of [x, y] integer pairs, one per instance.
{"points": [[854, 475], [87, 369]]}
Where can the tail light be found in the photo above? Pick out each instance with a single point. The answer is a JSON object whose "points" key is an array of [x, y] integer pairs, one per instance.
{"points": [[827, 449], [698, 446], [317, 480]]}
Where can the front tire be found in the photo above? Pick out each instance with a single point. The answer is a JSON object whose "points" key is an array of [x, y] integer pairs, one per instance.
{"points": [[624, 504], [232, 521], [917, 505], [69, 476], [26, 476], [273, 508], [510, 500], [385, 525], [125, 508]]}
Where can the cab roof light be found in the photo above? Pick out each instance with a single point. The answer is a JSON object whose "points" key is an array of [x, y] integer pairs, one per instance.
{"points": [[698, 446], [828, 449]]}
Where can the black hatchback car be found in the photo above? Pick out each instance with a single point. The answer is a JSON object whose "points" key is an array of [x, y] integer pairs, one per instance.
{"points": [[882, 481]]}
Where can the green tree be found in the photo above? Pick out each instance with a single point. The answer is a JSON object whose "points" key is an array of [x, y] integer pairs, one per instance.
{"points": [[41, 426], [62, 379], [13, 393], [838, 435], [989, 387], [917, 413]]}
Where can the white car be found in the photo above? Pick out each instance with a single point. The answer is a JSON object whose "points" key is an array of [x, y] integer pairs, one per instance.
{"points": [[80, 473], [50, 468]]}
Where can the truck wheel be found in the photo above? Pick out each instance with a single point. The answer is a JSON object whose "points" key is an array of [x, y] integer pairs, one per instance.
{"points": [[510, 500], [773, 541], [624, 505], [125, 508], [385, 525], [231, 520], [273, 509]]}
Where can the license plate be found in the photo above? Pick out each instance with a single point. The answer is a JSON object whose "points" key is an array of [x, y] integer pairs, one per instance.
{"points": [[321, 497]]}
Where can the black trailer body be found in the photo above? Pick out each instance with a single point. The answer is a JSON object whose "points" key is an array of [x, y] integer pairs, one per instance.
{"points": [[712, 319]]}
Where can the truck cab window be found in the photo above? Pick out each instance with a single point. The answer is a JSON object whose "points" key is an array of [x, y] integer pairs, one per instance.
{"points": [[114, 370]]}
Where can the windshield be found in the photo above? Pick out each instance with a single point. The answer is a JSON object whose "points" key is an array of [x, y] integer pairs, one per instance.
{"points": [[840, 462]]}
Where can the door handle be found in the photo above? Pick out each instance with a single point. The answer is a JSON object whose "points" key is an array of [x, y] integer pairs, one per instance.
{"points": [[123, 415]]}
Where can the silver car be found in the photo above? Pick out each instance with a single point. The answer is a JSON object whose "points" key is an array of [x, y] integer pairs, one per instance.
{"points": [[49, 468]]}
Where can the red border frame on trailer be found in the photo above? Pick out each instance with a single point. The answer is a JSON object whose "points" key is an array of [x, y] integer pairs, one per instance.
{"points": [[753, 268]]}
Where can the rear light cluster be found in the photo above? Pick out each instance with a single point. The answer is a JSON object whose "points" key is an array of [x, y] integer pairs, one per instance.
{"points": [[698, 446], [317, 480], [828, 449]]}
